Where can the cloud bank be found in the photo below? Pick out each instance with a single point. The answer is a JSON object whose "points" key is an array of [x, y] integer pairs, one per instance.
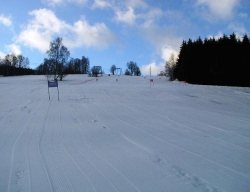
{"points": [[63, 2], [153, 67], [45, 26], [222, 9]]}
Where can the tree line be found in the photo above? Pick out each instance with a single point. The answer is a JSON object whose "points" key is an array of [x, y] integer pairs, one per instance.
{"points": [[73, 66], [12, 65], [222, 61], [58, 63]]}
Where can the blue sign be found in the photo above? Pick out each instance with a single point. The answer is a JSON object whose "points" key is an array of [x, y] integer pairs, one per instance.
{"points": [[52, 84]]}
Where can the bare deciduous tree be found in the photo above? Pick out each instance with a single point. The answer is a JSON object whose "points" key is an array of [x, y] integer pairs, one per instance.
{"points": [[58, 56], [169, 66], [132, 67], [112, 69]]}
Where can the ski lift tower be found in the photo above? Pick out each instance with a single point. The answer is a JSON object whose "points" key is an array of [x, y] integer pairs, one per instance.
{"points": [[117, 71]]}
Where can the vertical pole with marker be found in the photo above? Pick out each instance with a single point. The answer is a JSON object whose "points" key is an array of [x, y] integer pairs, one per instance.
{"points": [[48, 90], [53, 84], [57, 89], [151, 81]]}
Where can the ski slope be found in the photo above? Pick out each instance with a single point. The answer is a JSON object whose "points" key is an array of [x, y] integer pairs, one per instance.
{"points": [[121, 134]]}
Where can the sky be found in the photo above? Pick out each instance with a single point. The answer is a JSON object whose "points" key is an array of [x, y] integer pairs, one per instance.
{"points": [[114, 32]]}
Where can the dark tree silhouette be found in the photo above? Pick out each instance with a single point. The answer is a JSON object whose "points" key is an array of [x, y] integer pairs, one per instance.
{"points": [[127, 72], [132, 66], [112, 69], [13, 64], [96, 70], [137, 71], [222, 61]]}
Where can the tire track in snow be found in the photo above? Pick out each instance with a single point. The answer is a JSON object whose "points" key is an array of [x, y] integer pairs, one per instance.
{"points": [[198, 131], [105, 161], [132, 174], [39, 176], [50, 148], [15, 104], [15, 144], [194, 181], [56, 154], [182, 149], [207, 160], [45, 166], [8, 122], [115, 161], [193, 140], [49, 151], [82, 154], [111, 155], [74, 161], [73, 154], [174, 122]]}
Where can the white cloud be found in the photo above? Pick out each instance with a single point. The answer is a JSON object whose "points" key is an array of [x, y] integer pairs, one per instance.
{"points": [[45, 26], [163, 38], [136, 4], [150, 17], [13, 48], [127, 16], [153, 67], [81, 2], [136, 10], [238, 28], [39, 31], [154, 13], [101, 4], [243, 15], [2, 55], [166, 51], [222, 8], [60, 2], [53, 2], [97, 35], [5, 20], [165, 42], [219, 35], [156, 68]]}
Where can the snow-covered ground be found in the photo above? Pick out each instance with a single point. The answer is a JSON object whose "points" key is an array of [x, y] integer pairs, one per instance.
{"points": [[121, 134]]}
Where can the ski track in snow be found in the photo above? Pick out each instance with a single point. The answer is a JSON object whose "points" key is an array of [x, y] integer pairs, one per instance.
{"points": [[178, 171], [109, 164], [124, 135]]}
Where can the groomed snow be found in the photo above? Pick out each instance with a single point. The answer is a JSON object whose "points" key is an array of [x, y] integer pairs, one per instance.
{"points": [[121, 134]]}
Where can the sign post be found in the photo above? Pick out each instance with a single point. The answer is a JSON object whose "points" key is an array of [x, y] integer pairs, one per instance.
{"points": [[53, 84]]}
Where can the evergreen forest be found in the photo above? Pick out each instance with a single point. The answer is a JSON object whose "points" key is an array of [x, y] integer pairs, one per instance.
{"points": [[222, 61]]}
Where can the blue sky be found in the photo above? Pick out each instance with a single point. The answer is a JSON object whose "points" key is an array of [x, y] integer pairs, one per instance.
{"points": [[115, 32]]}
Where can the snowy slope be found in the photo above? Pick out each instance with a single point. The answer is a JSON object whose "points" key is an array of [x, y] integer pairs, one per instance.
{"points": [[121, 134]]}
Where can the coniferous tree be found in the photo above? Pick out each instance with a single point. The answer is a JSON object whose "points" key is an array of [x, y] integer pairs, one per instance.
{"points": [[222, 61]]}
